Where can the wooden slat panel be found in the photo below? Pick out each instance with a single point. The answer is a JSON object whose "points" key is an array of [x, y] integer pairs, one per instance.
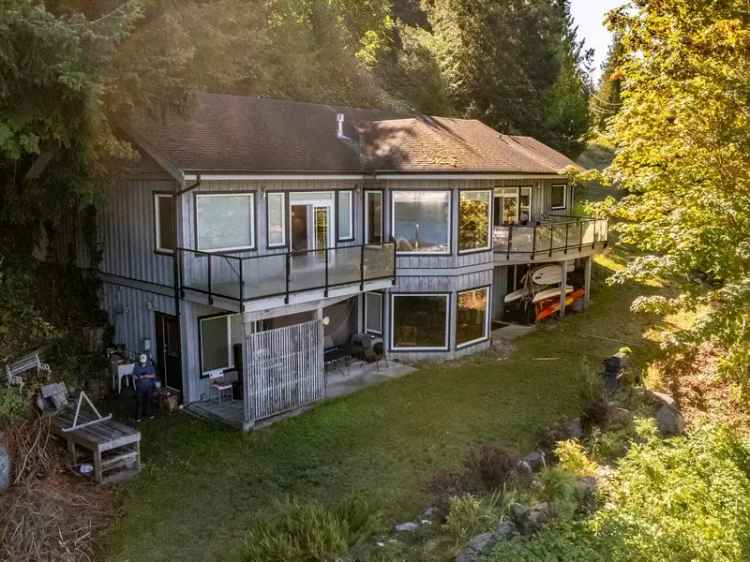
{"points": [[285, 369]]}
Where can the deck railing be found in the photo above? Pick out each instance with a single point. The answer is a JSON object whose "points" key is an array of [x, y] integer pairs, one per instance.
{"points": [[244, 278], [554, 236]]}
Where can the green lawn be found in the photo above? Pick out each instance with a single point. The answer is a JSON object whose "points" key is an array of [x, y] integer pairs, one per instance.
{"points": [[203, 485]]}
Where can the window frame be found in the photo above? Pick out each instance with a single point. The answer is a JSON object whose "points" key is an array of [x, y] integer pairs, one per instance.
{"points": [[381, 296], [230, 357], [565, 197], [284, 219], [366, 217], [449, 242], [158, 249], [392, 342], [490, 224], [253, 219], [487, 316], [350, 193]]}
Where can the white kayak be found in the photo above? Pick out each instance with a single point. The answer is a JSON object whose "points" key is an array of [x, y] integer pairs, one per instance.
{"points": [[551, 293], [549, 274], [516, 295]]}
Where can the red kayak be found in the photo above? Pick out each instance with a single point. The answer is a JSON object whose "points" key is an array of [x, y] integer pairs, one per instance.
{"points": [[547, 308]]}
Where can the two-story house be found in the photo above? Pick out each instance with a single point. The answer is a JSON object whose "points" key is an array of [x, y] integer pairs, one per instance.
{"points": [[254, 233]]}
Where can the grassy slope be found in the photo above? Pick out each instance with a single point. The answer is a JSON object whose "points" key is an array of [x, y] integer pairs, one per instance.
{"points": [[202, 485]]}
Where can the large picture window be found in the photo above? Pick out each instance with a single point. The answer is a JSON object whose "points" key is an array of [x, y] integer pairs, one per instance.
{"points": [[419, 322], [276, 219], [559, 196], [373, 217], [374, 313], [225, 221], [166, 222], [472, 315], [421, 221], [345, 204], [218, 335], [474, 220]]}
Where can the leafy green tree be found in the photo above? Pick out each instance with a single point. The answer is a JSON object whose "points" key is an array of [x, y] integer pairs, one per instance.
{"points": [[606, 102], [682, 161]]}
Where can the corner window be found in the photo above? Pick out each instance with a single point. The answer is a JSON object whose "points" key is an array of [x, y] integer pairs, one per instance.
{"points": [[225, 221], [218, 336], [166, 222], [374, 313], [472, 315], [373, 217], [419, 322], [559, 196], [421, 221], [276, 219], [344, 201], [474, 220]]}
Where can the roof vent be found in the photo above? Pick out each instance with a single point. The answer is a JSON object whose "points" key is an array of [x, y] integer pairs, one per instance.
{"points": [[340, 121]]}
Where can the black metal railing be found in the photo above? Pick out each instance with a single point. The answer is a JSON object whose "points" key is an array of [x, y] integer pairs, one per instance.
{"points": [[244, 277], [552, 236]]}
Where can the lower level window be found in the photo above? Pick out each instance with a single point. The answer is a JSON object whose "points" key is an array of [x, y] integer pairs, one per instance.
{"points": [[471, 316], [219, 334], [420, 322], [374, 313]]}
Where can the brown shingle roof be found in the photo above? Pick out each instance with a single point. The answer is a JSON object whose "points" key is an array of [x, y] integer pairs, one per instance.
{"points": [[223, 133]]}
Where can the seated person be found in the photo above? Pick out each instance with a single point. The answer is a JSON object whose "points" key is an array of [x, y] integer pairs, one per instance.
{"points": [[144, 375]]}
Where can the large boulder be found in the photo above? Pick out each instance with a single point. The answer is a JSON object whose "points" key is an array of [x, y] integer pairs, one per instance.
{"points": [[669, 420], [618, 417], [5, 466], [476, 547], [530, 520], [535, 461]]}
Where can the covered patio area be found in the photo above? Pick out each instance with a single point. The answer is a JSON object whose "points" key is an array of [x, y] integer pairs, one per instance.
{"points": [[341, 381]]}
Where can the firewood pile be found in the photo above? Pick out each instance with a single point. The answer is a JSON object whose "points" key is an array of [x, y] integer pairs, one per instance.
{"points": [[49, 513]]}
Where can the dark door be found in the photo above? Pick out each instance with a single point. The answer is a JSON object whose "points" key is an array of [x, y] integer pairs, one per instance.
{"points": [[168, 351]]}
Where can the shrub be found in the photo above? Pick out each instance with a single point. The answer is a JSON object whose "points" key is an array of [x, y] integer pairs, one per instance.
{"points": [[560, 490], [311, 531], [573, 458], [607, 446], [593, 397], [492, 466], [687, 498], [469, 515]]}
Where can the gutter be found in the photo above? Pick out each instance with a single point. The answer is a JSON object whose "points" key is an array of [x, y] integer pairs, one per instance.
{"points": [[176, 265]]}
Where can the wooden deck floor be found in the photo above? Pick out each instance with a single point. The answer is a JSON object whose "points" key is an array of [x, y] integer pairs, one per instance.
{"points": [[229, 412]]}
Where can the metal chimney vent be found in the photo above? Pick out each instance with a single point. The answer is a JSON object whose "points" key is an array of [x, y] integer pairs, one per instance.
{"points": [[340, 121]]}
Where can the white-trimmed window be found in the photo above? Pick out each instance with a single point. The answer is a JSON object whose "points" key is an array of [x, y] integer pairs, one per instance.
{"points": [[373, 217], [559, 196], [421, 221], [165, 219], [276, 219], [472, 316], [225, 221], [374, 313], [218, 336], [419, 322], [345, 205], [474, 220]]}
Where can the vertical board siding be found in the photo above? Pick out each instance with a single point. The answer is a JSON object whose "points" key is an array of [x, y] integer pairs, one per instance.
{"points": [[129, 232], [284, 370], [131, 313]]}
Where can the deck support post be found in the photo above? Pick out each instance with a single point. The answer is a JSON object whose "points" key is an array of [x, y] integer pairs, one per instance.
{"points": [[587, 282], [248, 415], [563, 287]]}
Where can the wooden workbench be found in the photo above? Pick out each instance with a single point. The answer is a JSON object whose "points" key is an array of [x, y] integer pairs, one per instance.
{"points": [[115, 447]]}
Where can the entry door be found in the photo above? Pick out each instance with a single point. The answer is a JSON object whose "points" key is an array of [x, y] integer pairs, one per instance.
{"points": [[311, 227], [168, 351]]}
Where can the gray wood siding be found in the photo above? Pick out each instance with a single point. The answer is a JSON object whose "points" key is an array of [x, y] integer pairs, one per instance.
{"points": [[128, 233], [131, 313]]}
